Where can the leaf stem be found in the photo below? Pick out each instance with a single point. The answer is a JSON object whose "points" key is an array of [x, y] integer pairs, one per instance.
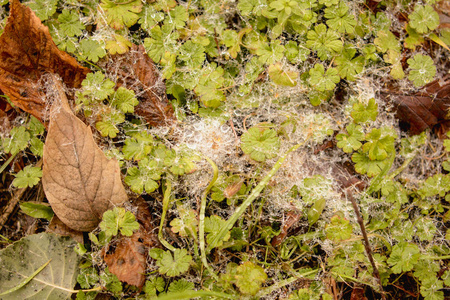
{"points": [[6, 163], [28, 279], [201, 224], [194, 294], [166, 201], [253, 195], [285, 282]]}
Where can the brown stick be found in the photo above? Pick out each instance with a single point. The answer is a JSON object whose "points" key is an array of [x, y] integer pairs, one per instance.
{"points": [[376, 274], [10, 206]]}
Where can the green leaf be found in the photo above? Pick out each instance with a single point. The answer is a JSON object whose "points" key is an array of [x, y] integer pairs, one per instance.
{"points": [[260, 143], [348, 66], [338, 229], [380, 143], [424, 18], [186, 224], [209, 84], [248, 7], [117, 220], [325, 41], [395, 59], [144, 177], [153, 285], [120, 14], [21, 259], [363, 164], [438, 184], [18, 141], [386, 40], [403, 257], [422, 68], [362, 113], [119, 45], [111, 282], [270, 53], [430, 289], [173, 265], [192, 54], [321, 80], [181, 285], [96, 88], [426, 268], [107, 126], [138, 147], [282, 77], [149, 17], [316, 210], [294, 53], [212, 226], [124, 99], [249, 278], [339, 19], [37, 210], [70, 24], [161, 40], [37, 146], [313, 188], [44, 9], [91, 50], [28, 177], [88, 277], [352, 140], [177, 17]]}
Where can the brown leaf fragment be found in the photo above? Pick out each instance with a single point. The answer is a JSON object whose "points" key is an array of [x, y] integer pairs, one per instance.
{"points": [[126, 258], [58, 227], [27, 52], [79, 181], [428, 108], [148, 232], [292, 218], [135, 70]]}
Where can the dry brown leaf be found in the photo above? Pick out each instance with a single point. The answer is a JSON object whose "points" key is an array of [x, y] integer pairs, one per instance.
{"points": [[135, 70], [126, 258], [27, 52], [79, 181], [428, 108], [58, 227]]}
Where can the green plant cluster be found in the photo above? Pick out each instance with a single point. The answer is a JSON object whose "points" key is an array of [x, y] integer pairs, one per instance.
{"points": [[285, 59]]}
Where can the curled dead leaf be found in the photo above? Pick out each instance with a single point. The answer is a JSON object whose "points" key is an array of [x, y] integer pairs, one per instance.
{"points": [[79, 181], [27, 52], [135, 70]]}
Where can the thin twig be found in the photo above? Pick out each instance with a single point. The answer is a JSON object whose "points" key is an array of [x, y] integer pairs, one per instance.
{"points": [[376, 274], [11, 206]]}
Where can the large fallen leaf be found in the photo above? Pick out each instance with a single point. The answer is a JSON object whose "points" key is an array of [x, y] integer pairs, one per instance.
{"points": [[27, 52], [135, 70], [426, 109], [79, 181], [23, 259]]}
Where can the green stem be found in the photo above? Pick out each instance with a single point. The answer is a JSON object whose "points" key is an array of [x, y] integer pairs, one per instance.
{"points": [[6, 163], [201, 225], [166, 201], [353, 279], [285, 282], [401, 168], [435, 257], [194, 294], [253, 195], [28, 279]]}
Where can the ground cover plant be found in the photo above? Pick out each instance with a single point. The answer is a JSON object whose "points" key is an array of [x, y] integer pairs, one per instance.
{"points": [[225, 149]]}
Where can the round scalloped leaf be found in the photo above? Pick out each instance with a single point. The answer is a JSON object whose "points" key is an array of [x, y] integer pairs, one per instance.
{"points": [[20, 261]]}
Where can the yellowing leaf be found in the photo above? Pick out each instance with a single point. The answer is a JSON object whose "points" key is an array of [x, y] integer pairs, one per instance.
{"points": [[282, 77], [79, 181]]}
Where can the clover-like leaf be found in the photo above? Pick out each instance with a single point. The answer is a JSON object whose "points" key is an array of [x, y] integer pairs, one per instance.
{"points": [[70, 24], [124, 99], [172, 265], [120, 14], [338, 229], [260, 143], [352, 140], [424, 18], [18, 140], [422, 68], [117, 220], [362, 113], [249, 278], [144, 177], [325, 41], [403, 257], [321, 80], [28, 177]]}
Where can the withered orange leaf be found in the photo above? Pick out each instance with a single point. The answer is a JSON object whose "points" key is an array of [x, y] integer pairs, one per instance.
{"points": [[27, 52], [79, 181], [135, 70], [126, 258]]}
